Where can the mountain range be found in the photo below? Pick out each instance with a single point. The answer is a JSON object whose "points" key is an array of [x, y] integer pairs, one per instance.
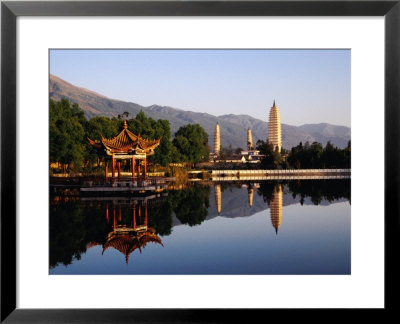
{"points": [[233, 128]]}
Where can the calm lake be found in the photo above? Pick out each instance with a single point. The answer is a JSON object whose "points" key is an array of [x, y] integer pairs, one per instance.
{"points": [[289, 227]]}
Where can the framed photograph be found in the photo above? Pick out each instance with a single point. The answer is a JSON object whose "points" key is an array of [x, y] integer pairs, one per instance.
{"points": [[196, 152]]}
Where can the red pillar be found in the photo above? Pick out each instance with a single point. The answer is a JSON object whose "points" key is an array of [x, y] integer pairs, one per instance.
{"points": [[134, 216], [107, 216], [106, 170], [113, 169], [119, 170], [133, 168], [145, 168], [140, 212], [138, 170], [119, 214]]}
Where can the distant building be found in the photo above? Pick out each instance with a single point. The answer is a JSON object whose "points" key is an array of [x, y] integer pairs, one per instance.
{"points": [[248, 156], [249, 140], [217, 141], [251, 156], [274, 128]]}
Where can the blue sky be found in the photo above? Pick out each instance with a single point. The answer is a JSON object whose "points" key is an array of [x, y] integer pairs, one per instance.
{"points": [[309, 86]]}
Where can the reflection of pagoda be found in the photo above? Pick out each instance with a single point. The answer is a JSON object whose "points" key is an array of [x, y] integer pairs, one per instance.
{"points": [[276, 207], [128, 238], [251, 194], [218, 197], [126, 146]]}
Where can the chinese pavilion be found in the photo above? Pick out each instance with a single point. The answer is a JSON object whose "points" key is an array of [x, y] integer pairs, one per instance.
{"points": [[124, 146]]}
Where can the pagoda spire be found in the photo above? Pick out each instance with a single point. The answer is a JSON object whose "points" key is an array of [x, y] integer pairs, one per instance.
{"points": [[274, 128], [217, 140]]}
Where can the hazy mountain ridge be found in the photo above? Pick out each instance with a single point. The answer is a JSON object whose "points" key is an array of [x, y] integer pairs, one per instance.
{"points": [[233, 128], [339, 135]]}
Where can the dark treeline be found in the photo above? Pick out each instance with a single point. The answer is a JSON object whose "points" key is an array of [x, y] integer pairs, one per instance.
{"points": [[315, 156], [316, 190], [307, 156], [319, 190], [69, 130]]}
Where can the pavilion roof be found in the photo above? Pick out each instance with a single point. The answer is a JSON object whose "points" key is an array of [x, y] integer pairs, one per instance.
{"points": [[126, 243], [126, 142]]}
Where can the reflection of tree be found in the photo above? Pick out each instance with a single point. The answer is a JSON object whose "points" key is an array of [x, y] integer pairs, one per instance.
{"points": [[190, 205], [266, 190], [319, 190], [72, 227], [160, 218], [316, 190]]}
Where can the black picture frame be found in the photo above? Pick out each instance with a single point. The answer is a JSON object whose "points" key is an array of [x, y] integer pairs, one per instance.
{"points": [[10, 10]]}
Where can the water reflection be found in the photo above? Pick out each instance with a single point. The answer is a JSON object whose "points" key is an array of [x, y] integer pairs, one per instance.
{"points": [[251, 194], [217, 190], [190, 205], [129, 224], [79, 224], [276, 207], [127, 236]]}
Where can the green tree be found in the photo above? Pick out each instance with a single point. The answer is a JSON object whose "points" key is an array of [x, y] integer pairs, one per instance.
{"points": [[66, 133], [163, 153], [238, 150], [176, 156], [272, 158], [191, 141], [149, 128], [314, 156], [97, 127]]}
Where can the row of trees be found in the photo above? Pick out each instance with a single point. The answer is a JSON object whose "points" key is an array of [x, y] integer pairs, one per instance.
{"points": [[315, 156], [69, 130], [307, 156]]}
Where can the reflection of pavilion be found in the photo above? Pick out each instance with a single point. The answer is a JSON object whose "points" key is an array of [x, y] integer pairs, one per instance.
{"points": [[276, 207], [127, 238]]}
